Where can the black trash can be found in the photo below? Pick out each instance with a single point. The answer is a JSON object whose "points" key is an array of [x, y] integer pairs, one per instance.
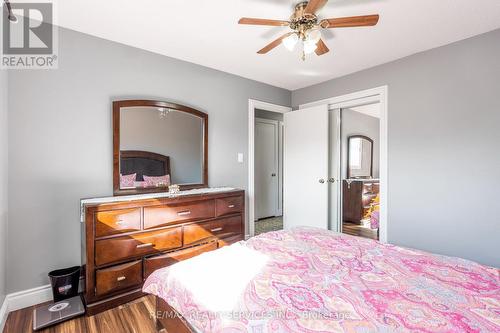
{"points": [[64, 282]]}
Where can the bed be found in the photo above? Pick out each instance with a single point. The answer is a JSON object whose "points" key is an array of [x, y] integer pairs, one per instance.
{"points": [[312, 280], [143, 163]]}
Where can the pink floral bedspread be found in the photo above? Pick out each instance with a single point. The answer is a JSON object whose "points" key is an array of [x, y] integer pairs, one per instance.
{"points": [[312, 280]]}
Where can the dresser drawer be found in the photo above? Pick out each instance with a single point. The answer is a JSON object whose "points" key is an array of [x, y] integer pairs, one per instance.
{"points": [[230, 205], [118, 277], [219, 228], [117, 221], [371, 188], [367, 199], [151, 264], [124, 247], [367, 188], [163, 215]]}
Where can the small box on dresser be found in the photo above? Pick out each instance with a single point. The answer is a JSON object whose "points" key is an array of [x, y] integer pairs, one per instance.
{"points": [[124, 241]]}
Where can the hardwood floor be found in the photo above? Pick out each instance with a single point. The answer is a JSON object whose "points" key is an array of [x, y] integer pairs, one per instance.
{"points": [[358, 230], [133, 317]]}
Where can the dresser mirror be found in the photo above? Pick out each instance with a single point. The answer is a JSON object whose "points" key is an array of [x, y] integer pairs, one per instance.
{"points": [[359, 157], [157, 144]]}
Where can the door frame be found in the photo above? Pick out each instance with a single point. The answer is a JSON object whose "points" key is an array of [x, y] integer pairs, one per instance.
{"points": [[252, 105], [375, 95], [277, 158], [335, 141]]}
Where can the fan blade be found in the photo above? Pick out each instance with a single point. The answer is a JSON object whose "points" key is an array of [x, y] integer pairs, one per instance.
{"points": [[321, 48], [314, 5], [256, 21], [347, 22], [273, 44]]}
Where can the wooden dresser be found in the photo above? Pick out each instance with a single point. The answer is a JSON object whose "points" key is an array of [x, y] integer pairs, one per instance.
{"points": [[357, 195], [125, 241]]}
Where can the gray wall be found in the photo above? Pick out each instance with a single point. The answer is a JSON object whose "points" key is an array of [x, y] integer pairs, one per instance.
{"points": [[444, 136], [179, 135], [356, 123], [61, 149], [3, 180]]}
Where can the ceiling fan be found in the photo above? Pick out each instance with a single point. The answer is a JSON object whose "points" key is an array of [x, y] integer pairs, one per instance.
{"points": [[307, 27]]}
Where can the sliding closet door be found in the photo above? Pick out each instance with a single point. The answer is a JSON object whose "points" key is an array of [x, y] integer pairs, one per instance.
{"points": [[305, 182]]}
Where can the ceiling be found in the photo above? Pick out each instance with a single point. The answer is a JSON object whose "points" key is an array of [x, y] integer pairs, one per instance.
{"points": [[372, 110], [206, 32]]}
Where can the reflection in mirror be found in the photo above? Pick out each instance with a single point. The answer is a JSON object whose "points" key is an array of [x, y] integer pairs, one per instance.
{"points": [[360, 157], [160, 146]]}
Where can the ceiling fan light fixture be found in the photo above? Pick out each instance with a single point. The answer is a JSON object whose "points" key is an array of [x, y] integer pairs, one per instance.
{"points": [[314, 35], [306, 27], [290, 42], [309, 46]]}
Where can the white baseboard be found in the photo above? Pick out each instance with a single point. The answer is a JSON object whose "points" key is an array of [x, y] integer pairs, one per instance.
{"points": [[3, 314], [25, 298]]}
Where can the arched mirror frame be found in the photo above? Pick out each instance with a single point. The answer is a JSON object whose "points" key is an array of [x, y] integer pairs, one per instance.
{"points": [[349, 150], [117, 105]]}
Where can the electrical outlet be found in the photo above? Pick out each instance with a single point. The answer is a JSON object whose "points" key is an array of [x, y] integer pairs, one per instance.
{"points": [[240, 157]]}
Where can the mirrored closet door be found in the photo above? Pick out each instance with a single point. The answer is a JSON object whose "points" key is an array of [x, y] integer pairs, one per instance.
{"points": [[360, 186]]}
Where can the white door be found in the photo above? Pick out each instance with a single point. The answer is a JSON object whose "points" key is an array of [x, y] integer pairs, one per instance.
{"points": [[305, 182], [266, 168]]}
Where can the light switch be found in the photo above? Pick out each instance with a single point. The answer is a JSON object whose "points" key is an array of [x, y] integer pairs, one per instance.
{"points": [[240, 157]]}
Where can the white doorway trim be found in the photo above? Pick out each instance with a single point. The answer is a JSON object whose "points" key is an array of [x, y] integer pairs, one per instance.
{"points": [[335, 139], [380, 95], [252, 105]]}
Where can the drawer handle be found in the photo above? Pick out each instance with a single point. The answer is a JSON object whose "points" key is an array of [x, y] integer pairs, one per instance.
{"points": [[140, 246], [184, 213], [216, 229], [230, 206], [120, 278]]}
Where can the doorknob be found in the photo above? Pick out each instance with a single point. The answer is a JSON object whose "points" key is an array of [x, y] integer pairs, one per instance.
{"points": [[331, 180], [321, 181]]}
